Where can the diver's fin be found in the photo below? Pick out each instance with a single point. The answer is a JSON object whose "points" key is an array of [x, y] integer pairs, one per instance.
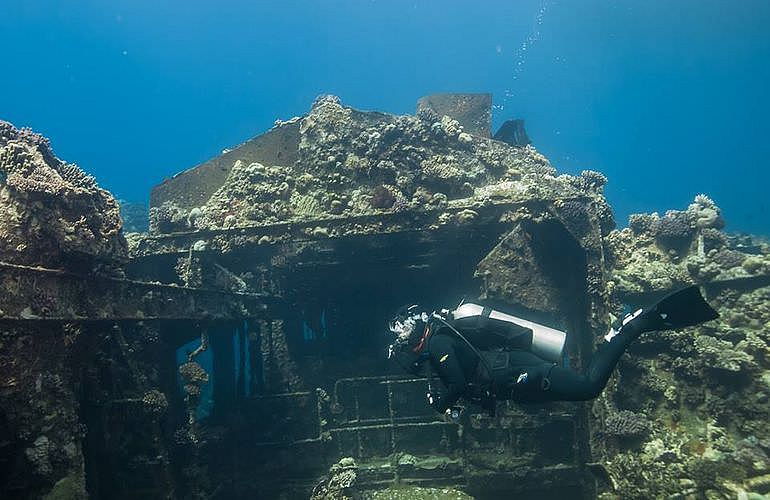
{"points": [[683, 308]]}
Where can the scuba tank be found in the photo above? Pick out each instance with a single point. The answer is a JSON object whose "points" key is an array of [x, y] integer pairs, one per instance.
{"points": [[510, 331]]}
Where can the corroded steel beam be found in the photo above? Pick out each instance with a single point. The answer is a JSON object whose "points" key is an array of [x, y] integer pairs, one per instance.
{"points": [[226, 240], [39, 294]]}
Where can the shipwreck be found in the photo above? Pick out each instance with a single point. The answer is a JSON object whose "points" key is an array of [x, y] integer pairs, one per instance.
{"points": [[237, 349]]}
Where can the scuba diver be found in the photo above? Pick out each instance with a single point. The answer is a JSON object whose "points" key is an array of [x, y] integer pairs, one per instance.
{"points": [[484, 355]]}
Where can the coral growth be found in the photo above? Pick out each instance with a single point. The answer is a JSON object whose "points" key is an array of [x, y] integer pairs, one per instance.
{"points": [[194, 378], [705, 213], [590, 180], [155, 403], [702, 388], [626, 423], [575, 216], [674, 230], [382, 197], [53, 214], [353, 163], [339, 484], [682, 247]]}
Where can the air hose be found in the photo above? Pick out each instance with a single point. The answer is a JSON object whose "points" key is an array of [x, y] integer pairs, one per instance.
{"points": [[473, 348]]}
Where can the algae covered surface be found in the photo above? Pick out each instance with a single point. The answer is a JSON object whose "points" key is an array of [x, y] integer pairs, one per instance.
{"points": [[352, 163], [687, 414], [416, 493], [113, 346]]}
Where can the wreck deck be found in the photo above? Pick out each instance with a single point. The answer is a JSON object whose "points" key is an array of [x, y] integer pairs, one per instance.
{"points": [[225, 240], [36, 294]]}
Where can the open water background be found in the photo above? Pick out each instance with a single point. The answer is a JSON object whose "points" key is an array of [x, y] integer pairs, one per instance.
{"points": [[668, 98]]}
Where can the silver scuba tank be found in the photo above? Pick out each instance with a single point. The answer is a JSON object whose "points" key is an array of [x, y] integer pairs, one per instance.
{"points": [[547, 343]]}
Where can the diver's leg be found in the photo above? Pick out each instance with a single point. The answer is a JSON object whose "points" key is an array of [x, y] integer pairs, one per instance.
{"points": [[566, 385], [548, 382], [683, 308], [563, 384], [680, 309]]}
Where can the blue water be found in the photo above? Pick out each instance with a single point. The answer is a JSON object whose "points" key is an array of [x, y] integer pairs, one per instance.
{"points": [[668, 98]]}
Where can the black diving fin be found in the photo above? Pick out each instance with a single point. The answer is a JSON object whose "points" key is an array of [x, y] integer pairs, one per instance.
{"points": [[681, 309]]}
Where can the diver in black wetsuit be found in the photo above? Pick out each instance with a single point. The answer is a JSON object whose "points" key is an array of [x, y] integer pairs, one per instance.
{"points": [[484, 355]]}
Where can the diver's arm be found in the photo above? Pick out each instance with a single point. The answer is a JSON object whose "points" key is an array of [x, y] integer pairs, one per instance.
{"points": [[444, 360]]}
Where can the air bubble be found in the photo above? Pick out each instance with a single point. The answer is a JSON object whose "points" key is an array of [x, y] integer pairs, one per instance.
{"points": [[519, 56]]}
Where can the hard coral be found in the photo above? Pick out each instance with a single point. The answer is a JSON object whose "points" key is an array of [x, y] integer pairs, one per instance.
{"points": [[193, 373], [712, 373], [705, 213], [626, 423], [674, 230], [642, 223], [728, 259], [155, 402], [53, 213], [251, 193], [382, 198], [713, 239], [593, 180], [604, 214], [350, 162], [575, 216], [721, 355], [340, 484], [168, 218]]}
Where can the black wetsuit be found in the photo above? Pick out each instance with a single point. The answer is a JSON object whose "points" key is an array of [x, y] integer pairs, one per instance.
{"points": [[517, 374], [512, 372]]}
